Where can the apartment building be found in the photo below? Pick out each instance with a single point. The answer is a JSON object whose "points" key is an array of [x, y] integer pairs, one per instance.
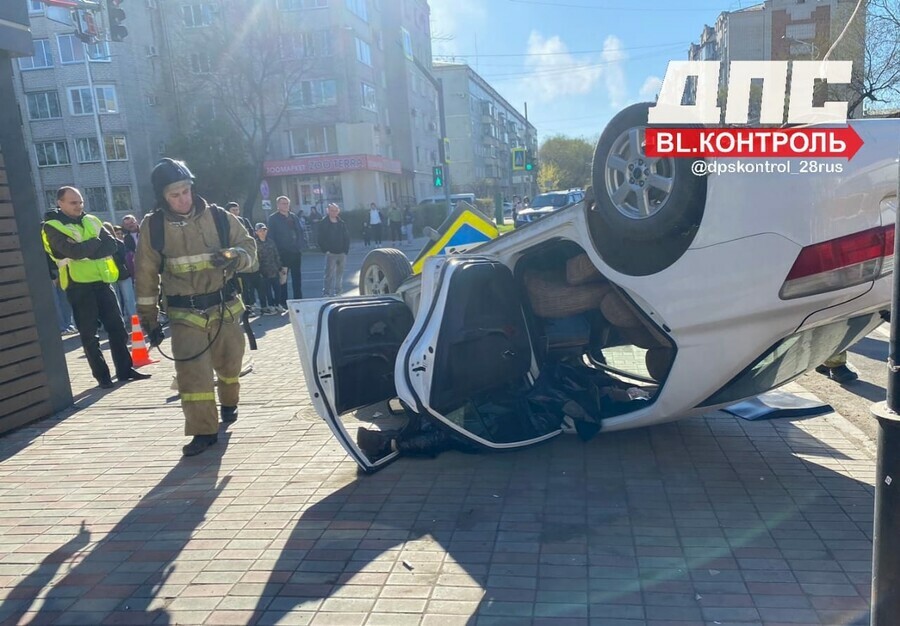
{"points": [[483, 128], [358, 126], [58, 111], [781, 30]]}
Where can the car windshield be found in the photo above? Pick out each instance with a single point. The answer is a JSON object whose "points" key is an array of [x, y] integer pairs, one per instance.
{"points": [[549, 199]]}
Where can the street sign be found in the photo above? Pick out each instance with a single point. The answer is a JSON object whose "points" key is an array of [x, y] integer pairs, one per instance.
{"points": [[264, 189], [518, 159], [266, 205]]}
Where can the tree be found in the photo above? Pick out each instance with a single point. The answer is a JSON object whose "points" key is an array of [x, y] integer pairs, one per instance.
{"points": [[252, 65], [878, 80], [549, 176], [571, 156], [211, 150]]}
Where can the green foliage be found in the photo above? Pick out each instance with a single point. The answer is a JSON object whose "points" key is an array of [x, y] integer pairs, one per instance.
{"points": [[572, 157], [214, 150], [432, 215]]}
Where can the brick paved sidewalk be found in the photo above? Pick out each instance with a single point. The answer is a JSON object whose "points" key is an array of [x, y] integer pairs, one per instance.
{"points": [[704, 521]]}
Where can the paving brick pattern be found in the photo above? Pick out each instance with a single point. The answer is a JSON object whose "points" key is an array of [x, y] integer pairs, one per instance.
{"points": [[705, 521]]}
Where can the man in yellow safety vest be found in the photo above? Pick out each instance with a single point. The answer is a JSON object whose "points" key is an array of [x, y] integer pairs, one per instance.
{"points": [[82, 250]]}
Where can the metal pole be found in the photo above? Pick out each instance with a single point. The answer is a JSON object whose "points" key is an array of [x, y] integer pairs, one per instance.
{"points": [[443, 150], [886, 535], [99, 133]]}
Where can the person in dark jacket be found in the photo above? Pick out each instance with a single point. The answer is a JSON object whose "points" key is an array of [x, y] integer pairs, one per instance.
{"points": [[334, 241], [268, 286], [123, 287], [248, 281], [287, 233], [83, 251]]}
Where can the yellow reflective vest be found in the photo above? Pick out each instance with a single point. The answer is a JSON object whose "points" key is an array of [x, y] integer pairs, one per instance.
{"points": [[81, 270]]}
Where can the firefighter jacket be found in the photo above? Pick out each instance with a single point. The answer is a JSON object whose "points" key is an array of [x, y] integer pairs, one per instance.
{"points": [[185, 267], [80, 247]]}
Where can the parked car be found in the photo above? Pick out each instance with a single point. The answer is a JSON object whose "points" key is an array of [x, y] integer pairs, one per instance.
{"points": [[454, 199], [546, 203], [720, 288]]}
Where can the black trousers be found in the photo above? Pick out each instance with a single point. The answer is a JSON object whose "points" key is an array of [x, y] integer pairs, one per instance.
{"points": [[248, 287], [97, 301], [292, 261]]}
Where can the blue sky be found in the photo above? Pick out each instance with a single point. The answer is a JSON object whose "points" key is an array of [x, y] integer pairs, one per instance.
{"points": [[576, 62]]}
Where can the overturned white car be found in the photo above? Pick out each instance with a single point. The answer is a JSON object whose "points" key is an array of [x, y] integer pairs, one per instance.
{"points": [[663, 296]]}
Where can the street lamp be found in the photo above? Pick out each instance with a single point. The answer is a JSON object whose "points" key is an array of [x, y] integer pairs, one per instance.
{"points": [[813, 51]]}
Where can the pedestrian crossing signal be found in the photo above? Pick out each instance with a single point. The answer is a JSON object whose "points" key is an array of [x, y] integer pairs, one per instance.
{"points": [[529, 161], [518, 159], [438, 173]]}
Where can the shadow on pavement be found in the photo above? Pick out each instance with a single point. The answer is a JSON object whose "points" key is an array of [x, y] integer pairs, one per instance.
{"points": [[118, 569], [707, 520]]}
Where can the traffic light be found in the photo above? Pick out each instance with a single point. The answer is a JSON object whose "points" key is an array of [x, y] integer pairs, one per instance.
{"points": [[529, 161], [438, 174], [115, 16]]}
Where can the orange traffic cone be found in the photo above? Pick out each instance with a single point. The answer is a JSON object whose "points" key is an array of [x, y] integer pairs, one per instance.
{"points": [[139, 354]]}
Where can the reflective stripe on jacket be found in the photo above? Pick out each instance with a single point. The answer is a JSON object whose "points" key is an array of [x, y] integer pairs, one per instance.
{"points": [[81, 270]]}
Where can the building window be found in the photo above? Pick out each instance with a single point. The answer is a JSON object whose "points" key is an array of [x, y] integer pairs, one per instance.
{"points": [[407, 43], [196, 15], [50, 198], [802, 31], [116, 148], [51, 153], [80, 101], [363, 52], [43, 105], [200, 63], [368, 97], [312, 93], [88, 150], [35, 7], [95, 200], [311, 44], [41, 57], [71, 50], [313, 140], [359, 9], [122, 199], [296, 5]]}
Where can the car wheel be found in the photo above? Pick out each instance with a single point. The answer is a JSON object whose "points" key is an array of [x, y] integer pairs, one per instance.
{"points": [[646, 210], [382, 271]]}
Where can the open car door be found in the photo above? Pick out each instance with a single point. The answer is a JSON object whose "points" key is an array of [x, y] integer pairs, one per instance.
{"points": [[468, 362], [348, 348]]}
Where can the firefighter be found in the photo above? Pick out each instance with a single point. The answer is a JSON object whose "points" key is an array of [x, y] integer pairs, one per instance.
{"points": [[192, 251]]}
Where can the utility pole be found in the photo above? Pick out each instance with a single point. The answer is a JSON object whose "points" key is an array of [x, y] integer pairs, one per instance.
{"points": [[99, 133], [886, 532]]}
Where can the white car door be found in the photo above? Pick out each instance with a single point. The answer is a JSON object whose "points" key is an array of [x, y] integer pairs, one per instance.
{"points": [[348, 348], [469, 356]]}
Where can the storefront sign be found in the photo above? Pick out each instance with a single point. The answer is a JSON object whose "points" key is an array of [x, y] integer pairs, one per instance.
{"points": [[332, 165]]}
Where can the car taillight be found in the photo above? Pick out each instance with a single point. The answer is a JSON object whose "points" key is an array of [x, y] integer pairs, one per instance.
{"points": [[843, 262]]}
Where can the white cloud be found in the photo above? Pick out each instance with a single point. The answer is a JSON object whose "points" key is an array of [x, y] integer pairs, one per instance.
{"points": [[613, 57], [555, 72], [650, 88]]}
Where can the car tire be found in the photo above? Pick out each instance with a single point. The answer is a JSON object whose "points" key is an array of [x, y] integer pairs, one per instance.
{"points": [[646, 211], [383, 270]]}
